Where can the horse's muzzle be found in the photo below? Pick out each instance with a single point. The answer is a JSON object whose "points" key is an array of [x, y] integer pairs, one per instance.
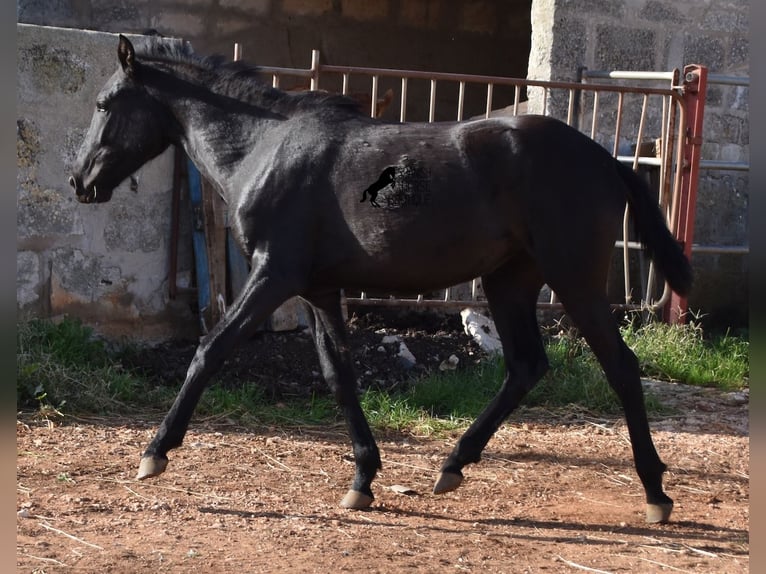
{"points": [[85, 195]]}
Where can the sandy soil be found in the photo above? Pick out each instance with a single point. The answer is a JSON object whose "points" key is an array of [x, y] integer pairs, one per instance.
{"points": [[555, 492]]}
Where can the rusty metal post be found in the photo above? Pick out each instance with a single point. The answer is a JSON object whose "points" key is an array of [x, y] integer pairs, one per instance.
{"points": [[694, 93]]}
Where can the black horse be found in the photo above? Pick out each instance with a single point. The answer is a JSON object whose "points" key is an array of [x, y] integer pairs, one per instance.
{"points": [[518, 201]]}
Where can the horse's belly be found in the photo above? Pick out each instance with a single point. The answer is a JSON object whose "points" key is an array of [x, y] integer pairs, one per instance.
{"points": [[421, 266]]}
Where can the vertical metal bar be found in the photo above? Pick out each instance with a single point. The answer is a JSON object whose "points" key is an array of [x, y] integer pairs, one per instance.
{"points": [[460, 101], [237, 51], [695, 91], [570, 107], [679, 171], [432, 102], [374, 97], [516, 96], [668, 143], [274, 80], [344, 89], [403, 106], [618, 126], [488, 109], [314, 70], [594, 121]]}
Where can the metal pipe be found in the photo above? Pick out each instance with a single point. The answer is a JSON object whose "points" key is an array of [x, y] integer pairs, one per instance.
{"points": [[728, 80], [442, 304], [722, 249], [725, 165], [626, 75]]}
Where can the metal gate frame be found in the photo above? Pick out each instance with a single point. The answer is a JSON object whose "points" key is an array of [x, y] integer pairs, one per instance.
{"points": [[678, 161]]}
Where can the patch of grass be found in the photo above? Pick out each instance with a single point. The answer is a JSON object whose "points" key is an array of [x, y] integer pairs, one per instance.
{"points": [[684, 353], [575, 378], [63, 367], [250, 403]]}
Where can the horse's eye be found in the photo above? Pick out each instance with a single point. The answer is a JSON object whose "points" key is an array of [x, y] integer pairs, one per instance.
{"points": [[101, 106]]}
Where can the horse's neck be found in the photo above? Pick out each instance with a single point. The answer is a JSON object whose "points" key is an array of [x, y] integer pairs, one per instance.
{"points": [[208, 141]]}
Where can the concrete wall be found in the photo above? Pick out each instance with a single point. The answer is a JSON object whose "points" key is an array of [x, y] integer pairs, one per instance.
{"points": [[108, 263]]}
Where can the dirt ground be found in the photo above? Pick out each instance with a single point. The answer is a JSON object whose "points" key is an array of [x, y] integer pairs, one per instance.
{"points": [[555, 492]]}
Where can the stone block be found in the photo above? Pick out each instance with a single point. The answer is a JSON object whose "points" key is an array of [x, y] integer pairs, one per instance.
{"points": [[739, 55], [134, 226], [625, 48], [47, 70], [28, 278], [662, 12], [724, 19], [705, 50]]}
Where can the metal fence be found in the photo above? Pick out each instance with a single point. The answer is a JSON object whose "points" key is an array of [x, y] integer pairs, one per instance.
{"points": [[651, 121]]}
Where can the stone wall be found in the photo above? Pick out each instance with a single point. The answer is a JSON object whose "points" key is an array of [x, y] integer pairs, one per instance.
{"points": [[107, 263]]}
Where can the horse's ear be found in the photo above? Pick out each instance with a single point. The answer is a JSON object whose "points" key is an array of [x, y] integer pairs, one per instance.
{"points": [[127, 56]]}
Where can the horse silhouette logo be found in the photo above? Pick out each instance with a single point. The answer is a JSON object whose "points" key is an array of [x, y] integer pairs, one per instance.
{"points": [[388, 177]]}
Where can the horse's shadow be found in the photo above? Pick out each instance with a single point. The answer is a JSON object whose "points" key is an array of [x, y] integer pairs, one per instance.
{"points": [[535, 530]]}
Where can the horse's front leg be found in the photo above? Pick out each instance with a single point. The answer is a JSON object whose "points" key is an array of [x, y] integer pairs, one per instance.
{"points": [[329, 333], [260, 296]]}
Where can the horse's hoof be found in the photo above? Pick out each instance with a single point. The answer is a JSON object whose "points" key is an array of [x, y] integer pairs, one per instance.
{"points": [[356, 500], [151, 466], [658, 513], [447, 482]]}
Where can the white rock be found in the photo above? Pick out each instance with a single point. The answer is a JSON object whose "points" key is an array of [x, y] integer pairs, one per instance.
{"points": [[482, 329], [407, 359], [449, 364]]}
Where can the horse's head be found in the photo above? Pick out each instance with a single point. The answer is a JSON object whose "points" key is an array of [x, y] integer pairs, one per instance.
{"points": [[129, 127]]}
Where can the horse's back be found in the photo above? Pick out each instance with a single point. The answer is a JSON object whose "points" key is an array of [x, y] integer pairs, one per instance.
{"points": [[465, 197]]}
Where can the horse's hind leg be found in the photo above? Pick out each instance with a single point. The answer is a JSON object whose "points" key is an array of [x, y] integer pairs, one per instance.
{"points": [[258, 298], [329, 333], [593, 317], [512, 295]]}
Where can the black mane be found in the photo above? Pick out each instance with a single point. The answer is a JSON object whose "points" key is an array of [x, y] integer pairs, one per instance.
{"points": [[238, 80]]}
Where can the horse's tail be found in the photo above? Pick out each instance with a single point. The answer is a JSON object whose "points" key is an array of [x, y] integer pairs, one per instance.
{"points": [[654, 234]]}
